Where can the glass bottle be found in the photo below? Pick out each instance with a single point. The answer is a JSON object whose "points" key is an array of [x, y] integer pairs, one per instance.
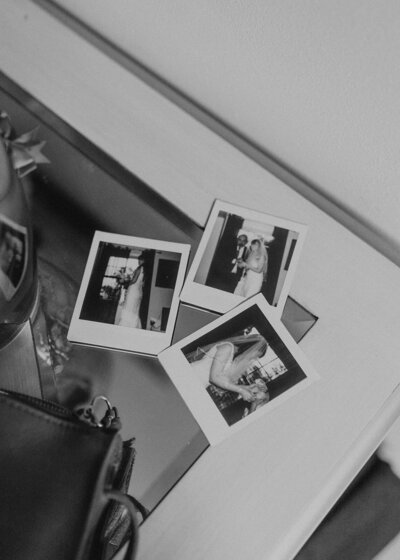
{"points": [[18, 278]]}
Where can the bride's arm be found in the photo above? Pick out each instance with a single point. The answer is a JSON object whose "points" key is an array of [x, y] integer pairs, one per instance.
{"points": [[218, 376], [258, 267]]}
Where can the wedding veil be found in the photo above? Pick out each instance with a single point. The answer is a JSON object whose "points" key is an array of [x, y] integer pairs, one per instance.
{"points": [[263, 253], [244, 344]]}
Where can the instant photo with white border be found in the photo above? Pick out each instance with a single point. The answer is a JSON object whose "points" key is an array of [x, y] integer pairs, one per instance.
{"points": [[237, 368], [129, 295], [243, 252]]}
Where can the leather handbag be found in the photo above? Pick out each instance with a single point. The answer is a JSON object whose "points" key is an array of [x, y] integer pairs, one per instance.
{"points": [[62, 483]]}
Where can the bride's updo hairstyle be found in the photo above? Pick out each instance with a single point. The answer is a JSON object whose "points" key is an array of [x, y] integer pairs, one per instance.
{"points": [[256, 242]]}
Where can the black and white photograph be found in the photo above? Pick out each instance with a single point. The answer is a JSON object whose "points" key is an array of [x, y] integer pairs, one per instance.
{"points": [[13, 257], [242, 253], [235, 369], [129, 294]]}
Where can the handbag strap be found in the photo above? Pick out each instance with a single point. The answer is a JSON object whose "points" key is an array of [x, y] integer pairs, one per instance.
{"points": [[144, 512], [130, 504]]}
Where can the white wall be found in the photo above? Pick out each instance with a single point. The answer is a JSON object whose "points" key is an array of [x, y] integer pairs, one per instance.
{"points": [[160, 297], [209, 251], [283, 273], [316, 84]]}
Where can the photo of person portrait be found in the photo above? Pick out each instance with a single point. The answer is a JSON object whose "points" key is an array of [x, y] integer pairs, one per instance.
{"points": [[242, 253], [231, 372], [12, 257], [132, 283], [234, 369]]}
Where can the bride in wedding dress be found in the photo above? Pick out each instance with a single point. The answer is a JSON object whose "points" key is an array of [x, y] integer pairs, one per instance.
{"points": [[128, 309], [223, 363], [254, 270]]}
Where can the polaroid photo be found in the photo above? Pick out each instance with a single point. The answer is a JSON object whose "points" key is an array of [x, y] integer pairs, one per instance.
{"points": [[243, 252], [237, 368], [13, 257], [129, 295]]}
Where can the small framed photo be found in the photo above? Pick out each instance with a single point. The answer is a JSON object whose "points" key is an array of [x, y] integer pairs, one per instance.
{"points": [[237, 368], [243, 252], [129, 295], [13, 257]]}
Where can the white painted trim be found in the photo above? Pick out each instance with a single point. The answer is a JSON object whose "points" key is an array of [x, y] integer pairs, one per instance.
{"points": [[316, 194], [182, 164]]}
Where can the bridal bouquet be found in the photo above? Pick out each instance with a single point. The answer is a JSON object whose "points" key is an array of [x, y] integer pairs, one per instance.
{"points": [[123, 278]]}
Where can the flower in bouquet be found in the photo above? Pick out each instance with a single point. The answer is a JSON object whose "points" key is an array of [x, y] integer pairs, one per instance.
{"points": [[123, 277]]}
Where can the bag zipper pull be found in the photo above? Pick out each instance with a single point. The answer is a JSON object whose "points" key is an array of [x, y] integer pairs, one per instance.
{"points": [[110, 419]]}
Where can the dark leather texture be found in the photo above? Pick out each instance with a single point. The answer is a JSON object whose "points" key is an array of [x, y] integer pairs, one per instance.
{"points": [[53, 475]]}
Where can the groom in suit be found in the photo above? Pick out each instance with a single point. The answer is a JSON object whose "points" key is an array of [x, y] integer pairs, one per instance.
{"points": [[236, 272]]}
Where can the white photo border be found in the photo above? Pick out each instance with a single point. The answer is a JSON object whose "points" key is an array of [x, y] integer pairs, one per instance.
{"points": [[119, 337], [197, 399], [214, 299]]}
